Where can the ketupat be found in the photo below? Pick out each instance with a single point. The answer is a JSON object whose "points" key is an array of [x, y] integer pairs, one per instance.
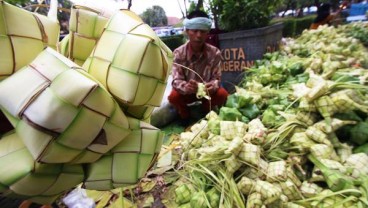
{"points": [[85, 28], [128, 161], [213, 197], [246, 185], [50, 115], [134, 69], [317, 135], [268, 191], [202, 92], [277, 171], [37, 182], [250, 153], [99, 144], [182, 194], [310, 189], [23, 35], [254, 200], [198, 200], [290, 190], [323, 151], [359, 163], [336, 181]]}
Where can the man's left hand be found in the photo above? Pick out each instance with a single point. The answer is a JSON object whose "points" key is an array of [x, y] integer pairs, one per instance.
{"points": [[210, 87]]}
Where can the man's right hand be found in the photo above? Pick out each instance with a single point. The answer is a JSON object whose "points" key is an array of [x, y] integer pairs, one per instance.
{"points": [[191, 86]]}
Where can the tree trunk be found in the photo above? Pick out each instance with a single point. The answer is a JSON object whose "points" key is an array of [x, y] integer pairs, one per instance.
{"points": [[288, 6], [181, 9], [185, 7], [199, 5], [316, 3]]}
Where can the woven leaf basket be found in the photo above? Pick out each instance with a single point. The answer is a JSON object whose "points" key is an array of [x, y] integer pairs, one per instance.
{"points": [[128, 161], [85, 28], [40, 183], [23, 35], [135, 68], [64, 115]]}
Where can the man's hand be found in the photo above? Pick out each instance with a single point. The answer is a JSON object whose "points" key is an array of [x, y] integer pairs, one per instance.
{"points": [[210, 87], [191, 86]]}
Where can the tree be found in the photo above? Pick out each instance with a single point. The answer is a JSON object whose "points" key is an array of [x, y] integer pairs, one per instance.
{"points": [[154, 16]]}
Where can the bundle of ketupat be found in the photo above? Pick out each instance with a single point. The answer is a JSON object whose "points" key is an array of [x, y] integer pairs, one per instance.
{"points": [[135, 68], [27, 179], [62, 114], [23, 35], [64, 117], [128, 161], [275, 182], [85, 29]]}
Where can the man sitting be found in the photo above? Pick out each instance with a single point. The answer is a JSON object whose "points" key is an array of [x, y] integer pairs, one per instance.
{"points": [[196, 62]]}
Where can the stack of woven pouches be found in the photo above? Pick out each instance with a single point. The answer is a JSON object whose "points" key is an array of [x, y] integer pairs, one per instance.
{"points": [[80, 114]]}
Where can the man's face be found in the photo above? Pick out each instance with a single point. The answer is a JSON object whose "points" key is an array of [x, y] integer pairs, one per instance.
{"points": [[197, 36]]}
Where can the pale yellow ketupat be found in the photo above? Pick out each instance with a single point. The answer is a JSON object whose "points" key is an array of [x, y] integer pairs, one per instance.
{"points": [[134, 69], [23, 35], [37, 182], [48, 116]]}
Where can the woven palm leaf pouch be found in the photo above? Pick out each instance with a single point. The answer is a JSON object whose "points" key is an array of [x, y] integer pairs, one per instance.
{"points": [[61, 113], [132, 62], [22, 177], [128, 161], [85, 28], [23, 35]]}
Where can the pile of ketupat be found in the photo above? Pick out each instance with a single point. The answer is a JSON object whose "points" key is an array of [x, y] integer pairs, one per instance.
{"points": [[294, 134], [78, 123]]}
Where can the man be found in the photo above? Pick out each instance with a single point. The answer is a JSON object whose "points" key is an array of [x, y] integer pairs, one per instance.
{"points": [[196, 62]]}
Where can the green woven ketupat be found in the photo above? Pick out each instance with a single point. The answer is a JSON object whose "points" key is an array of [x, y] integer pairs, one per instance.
{"points": [[310, 189], [276, 171], [85, 29], [306, 117], [326, 107], [268, 191], [183, 194], [323, 151], [301, 142], [245, 185], [345, 104], [250, 153], [64, 115], [254, 200], [132, 62], [23, 35], [232, 164], [22, 177], [317, 135], [290, 190], [305, 105], [128, 161]]}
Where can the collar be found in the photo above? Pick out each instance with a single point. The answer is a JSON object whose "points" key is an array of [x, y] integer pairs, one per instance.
{"points": [[190, 52]]}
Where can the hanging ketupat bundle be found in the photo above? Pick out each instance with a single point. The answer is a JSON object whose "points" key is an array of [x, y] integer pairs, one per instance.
{"points": [[128, 161], [23, 35], [135, 68], [22, 177], [85, 28], [62, 114]]}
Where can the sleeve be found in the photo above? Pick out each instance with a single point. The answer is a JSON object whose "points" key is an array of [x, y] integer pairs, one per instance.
{"points": [[216, 71], [179, 80]]}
